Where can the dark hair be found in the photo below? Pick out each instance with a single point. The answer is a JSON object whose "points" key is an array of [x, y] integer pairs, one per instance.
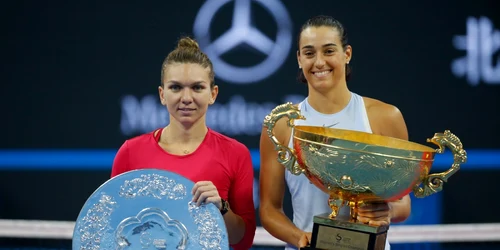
{"points": [[328, 21], [188, 51]]}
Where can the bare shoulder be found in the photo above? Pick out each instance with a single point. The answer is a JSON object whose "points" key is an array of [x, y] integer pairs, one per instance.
{"points": [[385, 119], [382, 110]]}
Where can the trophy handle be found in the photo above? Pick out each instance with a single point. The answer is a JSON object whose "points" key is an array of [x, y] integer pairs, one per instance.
{"points": [[434, 182], [286, 156]]}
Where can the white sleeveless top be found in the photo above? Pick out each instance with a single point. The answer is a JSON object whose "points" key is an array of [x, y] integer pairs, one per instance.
{"points": [[307, 199]]}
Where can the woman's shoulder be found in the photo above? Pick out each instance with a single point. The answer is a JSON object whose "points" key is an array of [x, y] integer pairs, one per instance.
{"points": [[226, 142], [140, 140], [384, 118], [379, 108]]}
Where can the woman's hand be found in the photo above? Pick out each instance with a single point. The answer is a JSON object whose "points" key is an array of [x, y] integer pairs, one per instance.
{"points": [[305, 240], [205, 192], [375, 214]]}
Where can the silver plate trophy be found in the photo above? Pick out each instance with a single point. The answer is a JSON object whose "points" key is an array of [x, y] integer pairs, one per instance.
{"points": [[148, 209]]}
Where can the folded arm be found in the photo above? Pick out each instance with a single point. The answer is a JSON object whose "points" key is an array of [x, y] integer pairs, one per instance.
{"points": [[272, 189]]}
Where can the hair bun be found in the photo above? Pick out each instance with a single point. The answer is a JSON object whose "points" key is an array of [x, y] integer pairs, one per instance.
{"points": [[187, 43]]}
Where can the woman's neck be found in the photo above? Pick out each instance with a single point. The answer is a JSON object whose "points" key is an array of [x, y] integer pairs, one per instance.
{"points": [[177, 132], [330, 101]]}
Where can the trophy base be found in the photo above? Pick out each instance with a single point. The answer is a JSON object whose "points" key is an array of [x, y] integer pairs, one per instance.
{"points": [[342, 234]]}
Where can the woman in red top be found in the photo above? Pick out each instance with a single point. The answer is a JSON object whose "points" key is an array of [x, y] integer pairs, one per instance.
{"points": [[220, 166]]}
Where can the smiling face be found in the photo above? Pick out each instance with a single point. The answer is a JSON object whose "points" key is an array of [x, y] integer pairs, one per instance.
{"points": [[322, 57], [187, 92]]}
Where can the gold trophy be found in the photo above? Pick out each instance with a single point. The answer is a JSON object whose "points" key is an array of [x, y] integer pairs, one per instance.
{"points": [[356, 167]]}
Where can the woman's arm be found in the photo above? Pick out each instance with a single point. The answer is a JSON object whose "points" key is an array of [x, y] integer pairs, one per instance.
{"points": [[387, 120], [272, 188], [121, 161], [240, 218]]}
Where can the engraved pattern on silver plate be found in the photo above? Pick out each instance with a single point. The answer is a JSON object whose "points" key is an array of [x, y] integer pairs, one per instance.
{"points": [[153, 185], [210, 232], [151, 228], [95, 228]]}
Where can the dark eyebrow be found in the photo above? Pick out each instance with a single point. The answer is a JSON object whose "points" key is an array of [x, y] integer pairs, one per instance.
{"points": [[324, 45], [191, 84], [329, 44]]}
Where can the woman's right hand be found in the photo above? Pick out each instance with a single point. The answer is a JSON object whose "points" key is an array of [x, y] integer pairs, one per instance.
{"points": [[305, 240]]}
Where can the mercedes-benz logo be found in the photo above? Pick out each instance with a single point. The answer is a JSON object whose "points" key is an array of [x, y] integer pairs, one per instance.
{"points": [[243, 32]]}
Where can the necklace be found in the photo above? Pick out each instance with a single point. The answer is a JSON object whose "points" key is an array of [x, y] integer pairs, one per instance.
{"points": [[184, 151]]}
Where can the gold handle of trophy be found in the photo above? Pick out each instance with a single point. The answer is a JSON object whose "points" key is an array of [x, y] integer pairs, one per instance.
{"points": [[434, 182], [286, 155]]}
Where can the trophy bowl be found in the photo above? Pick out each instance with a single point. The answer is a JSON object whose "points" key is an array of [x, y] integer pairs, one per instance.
{"points": [[355, 167]]}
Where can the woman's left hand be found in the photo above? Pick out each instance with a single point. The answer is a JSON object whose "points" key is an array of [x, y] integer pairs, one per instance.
{"points": [[206, 192], [375, 214]]}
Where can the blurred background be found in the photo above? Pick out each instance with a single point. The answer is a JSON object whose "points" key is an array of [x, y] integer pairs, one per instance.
{"points": [[81, 77]]}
